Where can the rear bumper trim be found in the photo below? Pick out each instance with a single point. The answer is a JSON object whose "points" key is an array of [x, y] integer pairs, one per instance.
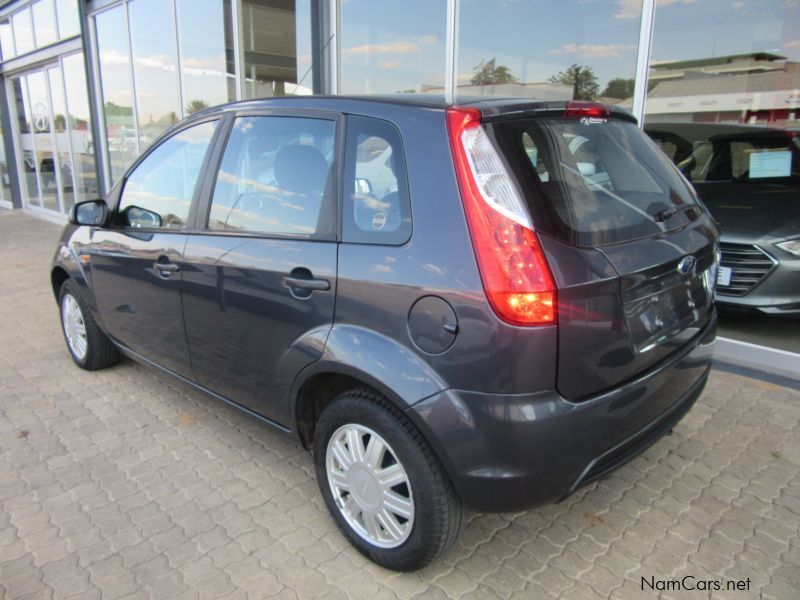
{"points": [[509, 452]]}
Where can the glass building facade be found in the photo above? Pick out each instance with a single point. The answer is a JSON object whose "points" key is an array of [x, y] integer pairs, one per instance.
{"points": [[88, 85]]}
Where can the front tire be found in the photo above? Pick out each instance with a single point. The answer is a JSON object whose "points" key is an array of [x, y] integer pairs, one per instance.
{"points": [[382, 483], [89, 347]]}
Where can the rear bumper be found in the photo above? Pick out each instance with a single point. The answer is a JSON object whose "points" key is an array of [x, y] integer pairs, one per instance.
{"points": [[513, 452]]}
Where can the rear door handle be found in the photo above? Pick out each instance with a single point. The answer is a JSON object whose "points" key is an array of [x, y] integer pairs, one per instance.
{"points": [[313, 285]]}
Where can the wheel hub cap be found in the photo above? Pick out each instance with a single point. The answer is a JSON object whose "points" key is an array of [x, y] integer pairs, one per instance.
{"points": [[370, 486], [74, 326]]}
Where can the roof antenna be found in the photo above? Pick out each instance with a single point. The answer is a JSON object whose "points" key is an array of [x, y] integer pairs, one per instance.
{"points": [[314, 62]]}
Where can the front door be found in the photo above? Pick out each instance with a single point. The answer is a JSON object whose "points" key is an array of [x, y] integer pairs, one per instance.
{"points": [[136, 263], [259, 286]]}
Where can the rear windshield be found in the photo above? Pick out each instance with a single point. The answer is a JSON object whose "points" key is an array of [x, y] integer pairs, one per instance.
{"points": [[594, 181]]}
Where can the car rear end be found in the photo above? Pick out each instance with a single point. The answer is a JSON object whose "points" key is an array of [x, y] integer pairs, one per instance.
{"points": [[584, 234]]}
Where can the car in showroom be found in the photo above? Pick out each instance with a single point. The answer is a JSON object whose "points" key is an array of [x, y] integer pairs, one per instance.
{"points": [[749, 178], [443, 302]]}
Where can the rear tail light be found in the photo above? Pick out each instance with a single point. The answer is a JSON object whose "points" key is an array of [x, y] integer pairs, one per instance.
{"points": [[513, 268]]}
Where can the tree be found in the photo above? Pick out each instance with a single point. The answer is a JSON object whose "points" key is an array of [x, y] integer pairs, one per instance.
{"points": [[619, 88], [582, 80], [196, 106], [490, 74]]}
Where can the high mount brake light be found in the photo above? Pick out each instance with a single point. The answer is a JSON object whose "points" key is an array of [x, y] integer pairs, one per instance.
{"points": [[513, 267], [587, 109]]}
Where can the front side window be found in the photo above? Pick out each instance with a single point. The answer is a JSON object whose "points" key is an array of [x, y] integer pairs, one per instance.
{"points": [[376, 203], [158, 193], [275, 177]]}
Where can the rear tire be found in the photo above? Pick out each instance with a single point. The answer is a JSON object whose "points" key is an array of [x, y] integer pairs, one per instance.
{"points": [[89, 347], [382, 483]]}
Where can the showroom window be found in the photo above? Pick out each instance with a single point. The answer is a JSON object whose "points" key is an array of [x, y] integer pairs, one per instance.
{"points": [[723, 104], [154, 67], [117, 88], [162, 60], [205, 32], [37, 25], [277, 48], [6, 39], [387, 47], [567, 50], [53, 142]]}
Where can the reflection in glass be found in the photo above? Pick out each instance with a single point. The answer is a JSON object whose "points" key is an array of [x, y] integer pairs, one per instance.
{"points": [[206, 50], [153, 45], [44, 22], [5, 182], [723, 104], [389, 47], [42, 129], [23, 31], [26, 158], [571, 49], [83, 161], [115, 75], [277, 47], [63, 164], [6, 39], [163, 183], [68, 18]]}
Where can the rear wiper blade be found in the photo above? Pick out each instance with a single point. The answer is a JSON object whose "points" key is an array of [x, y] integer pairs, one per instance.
{"points": [[668, 213]]}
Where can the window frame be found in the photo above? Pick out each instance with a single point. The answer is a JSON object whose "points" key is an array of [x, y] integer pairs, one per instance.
{"points": [[191, 219], [356, 235], [210, 179]]}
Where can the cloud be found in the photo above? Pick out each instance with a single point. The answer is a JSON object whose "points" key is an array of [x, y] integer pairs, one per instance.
{"points": [[391, 48], [428, 39], [631, 9], [795, 43], [594, 50], [390, 64]]}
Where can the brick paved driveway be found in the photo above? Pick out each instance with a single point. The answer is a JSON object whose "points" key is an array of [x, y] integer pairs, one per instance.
{"points": [[124, 483]]}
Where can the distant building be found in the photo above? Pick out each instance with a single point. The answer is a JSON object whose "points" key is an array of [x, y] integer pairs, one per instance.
{"points": [[745, 88]]}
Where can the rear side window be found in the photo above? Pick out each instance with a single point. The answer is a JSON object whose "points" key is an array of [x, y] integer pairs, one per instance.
{"points": [[158, 192], [746, 158], [592, 182], [376, 203], [276, 177]]}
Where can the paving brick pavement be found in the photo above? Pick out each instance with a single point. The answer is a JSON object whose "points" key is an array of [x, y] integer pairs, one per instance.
{"points": [[126, 484]]}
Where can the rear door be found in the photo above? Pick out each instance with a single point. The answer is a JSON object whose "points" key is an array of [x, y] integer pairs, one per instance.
{"points": [[260, 282], [630, 249], [136, 263]]}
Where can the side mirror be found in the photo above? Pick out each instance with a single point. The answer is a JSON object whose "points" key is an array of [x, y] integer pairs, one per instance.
{"points": [[93, 213]]}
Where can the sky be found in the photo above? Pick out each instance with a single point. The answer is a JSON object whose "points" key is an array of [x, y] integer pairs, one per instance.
{"points": [[388, 46]]}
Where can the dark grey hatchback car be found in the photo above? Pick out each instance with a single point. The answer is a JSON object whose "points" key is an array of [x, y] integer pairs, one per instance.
{"points": [[485, 305]]}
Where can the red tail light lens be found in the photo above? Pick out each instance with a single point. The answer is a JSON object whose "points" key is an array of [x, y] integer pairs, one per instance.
{"points": [[514, 270]]}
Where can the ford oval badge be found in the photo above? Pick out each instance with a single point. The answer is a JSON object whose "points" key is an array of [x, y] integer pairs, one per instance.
{"points": [[687, 265]]}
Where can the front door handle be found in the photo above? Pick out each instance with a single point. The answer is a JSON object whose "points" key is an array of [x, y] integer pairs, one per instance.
{"points": [[166, 268], [312, 285]]}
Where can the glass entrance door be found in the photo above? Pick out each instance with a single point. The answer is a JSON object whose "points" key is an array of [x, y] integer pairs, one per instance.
{"points": [[52, 131]]}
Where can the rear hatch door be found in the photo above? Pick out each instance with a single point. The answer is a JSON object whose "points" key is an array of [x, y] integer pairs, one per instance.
{"points": [[631, 250]]}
